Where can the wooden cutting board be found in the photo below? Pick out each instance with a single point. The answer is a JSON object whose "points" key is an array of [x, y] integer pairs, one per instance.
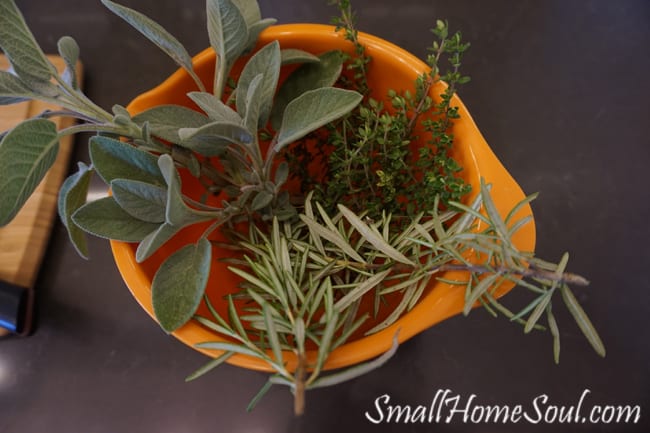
{"points": [[24, 240]]}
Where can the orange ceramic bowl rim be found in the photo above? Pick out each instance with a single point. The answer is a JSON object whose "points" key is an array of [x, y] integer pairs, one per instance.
{"points": [[443, 300]]}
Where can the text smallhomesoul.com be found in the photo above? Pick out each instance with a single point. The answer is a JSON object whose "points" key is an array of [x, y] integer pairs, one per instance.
{"points": [[447, 407]]}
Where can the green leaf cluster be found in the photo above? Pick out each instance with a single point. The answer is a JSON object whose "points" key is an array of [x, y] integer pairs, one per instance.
{"points": [[374, 160]]}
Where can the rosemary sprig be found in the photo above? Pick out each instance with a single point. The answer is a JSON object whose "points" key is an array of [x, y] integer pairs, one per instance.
{"points": [[303, 282]]}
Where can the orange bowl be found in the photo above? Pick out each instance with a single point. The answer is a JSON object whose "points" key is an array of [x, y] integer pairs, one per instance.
{"points": [[392, 68]]}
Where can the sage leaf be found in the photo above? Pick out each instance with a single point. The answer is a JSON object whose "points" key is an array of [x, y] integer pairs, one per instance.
{"points": [[212, 138], [165, 120], [158, 35], [371, 235], [141, 200], [72, 195], [227, 29], [228, 34], [114, 159], [281, 173], [249, 10], [289, 56], [18, 43], [121, 115], [309, 76], [312, 110], [254, 31], [266, 62], [154, 240], [582, 320], [69, 51], [179, 284], [26, 154], [214, 107], [13, 90], [177, 213], [261, 200], [253, 105], [106, 219]]}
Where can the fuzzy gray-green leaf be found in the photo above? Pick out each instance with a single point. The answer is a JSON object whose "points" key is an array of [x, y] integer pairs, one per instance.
{"points": [[69, 51], [72, 195], [261, 200], [114, 159], [18, 43], [309, 76], [156, 34], [140, 199], [290, 56], [266, 62], [13, 89], [154, 240], [253, 105], [26, 154], [179, 284], [249, 10], [212, 138], [166, 120], [106, 219], [227, 29], [255, 29], [214, 107], [312, 110], [177, 213]]}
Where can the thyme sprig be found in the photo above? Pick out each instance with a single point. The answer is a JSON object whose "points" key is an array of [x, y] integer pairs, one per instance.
{"points": [[369, 157]]}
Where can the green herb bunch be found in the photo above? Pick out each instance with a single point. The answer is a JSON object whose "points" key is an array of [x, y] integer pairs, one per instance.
{"points": [[307, 260], [373, 158]]}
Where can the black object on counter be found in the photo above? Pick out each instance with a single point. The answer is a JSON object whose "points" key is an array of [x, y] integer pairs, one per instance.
{"points": [[15, 308]]}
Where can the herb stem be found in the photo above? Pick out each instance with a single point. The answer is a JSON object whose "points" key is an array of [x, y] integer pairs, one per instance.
{"points": [[83, 100], [300, 385], [90, 127], [531, 272]]}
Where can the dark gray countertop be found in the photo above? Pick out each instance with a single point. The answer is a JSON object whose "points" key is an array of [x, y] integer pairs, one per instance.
{"points": [[560, 91]]}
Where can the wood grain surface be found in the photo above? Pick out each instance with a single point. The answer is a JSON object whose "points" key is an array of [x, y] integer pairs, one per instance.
{"points": [[24, 240]]}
